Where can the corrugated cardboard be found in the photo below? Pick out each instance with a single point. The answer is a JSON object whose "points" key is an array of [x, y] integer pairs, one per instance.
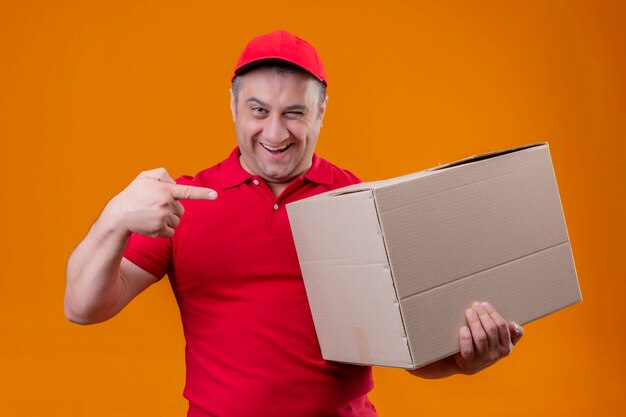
{"points": [[391, 266]]}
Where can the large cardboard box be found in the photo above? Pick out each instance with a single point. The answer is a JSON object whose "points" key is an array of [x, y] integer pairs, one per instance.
{"points": [[391, 266]]}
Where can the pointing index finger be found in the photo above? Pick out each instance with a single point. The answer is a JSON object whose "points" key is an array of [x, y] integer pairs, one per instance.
{"points": [[189, 192]]}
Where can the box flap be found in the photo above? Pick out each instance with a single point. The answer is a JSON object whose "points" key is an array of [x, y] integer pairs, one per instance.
{"points": [[374, 185], [480, 157]]}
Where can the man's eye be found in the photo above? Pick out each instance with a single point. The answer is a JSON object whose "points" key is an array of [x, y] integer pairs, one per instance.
{"points": [[259, 110], [294, 114]]}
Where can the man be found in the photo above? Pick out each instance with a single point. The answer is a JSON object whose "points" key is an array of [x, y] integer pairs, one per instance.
{"points": [[224, 240]]}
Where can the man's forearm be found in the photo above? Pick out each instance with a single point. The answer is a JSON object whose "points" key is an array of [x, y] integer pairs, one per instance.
{"points": [[94, 285], [441, 369]]}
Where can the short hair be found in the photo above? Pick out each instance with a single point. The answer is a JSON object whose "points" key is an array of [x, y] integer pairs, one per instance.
{"points": [[281, 67]]}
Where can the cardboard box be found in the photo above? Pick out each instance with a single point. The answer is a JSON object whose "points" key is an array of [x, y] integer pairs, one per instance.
{"points": [[391, 266]]}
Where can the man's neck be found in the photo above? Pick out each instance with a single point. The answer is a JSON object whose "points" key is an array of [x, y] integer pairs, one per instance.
{"points": [[278, 188]]}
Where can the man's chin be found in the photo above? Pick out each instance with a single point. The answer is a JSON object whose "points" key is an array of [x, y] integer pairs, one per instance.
{"points": [[277, 175], [278, 179]]}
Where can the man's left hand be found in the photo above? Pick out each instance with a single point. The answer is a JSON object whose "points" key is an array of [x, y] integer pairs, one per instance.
{"points": [[485, 340]]}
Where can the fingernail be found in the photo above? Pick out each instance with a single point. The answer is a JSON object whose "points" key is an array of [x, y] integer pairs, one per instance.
{"points": [[517, 330], [465, 332], [476, 304], [212, 195]]}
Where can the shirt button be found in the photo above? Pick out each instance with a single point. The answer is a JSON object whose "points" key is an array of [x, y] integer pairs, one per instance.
{"points": [[275, 206], [255, 182]]}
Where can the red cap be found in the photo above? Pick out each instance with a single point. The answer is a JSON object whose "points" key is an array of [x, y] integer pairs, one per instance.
{"points": [[281, 46]]}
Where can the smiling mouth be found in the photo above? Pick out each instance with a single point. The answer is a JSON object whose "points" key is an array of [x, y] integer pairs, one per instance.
{"points": [[275, 149]]}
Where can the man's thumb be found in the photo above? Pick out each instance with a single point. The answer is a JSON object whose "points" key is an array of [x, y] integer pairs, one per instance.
{"points": [[517, 332]]}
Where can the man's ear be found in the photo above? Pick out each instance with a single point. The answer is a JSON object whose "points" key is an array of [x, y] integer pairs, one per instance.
{"points": [[323, 108], [233, 105]]}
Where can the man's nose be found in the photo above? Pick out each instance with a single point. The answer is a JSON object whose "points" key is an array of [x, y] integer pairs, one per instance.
{"points": [[275, 131]]}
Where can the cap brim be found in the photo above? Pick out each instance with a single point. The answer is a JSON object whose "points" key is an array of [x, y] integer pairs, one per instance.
{"points": [[252, 65]]}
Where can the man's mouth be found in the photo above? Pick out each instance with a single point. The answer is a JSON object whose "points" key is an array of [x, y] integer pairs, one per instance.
{"points": [[275, 149]]}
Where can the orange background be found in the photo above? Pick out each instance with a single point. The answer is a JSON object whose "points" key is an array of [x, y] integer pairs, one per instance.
{"points": [[92, 93]]}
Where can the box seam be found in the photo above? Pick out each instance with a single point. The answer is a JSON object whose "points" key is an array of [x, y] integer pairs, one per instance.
{"points": [[484, 270], [393, 282]]}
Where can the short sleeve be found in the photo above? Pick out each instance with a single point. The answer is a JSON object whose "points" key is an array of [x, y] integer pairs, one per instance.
{"points": [[152, 254], [353, 178]]}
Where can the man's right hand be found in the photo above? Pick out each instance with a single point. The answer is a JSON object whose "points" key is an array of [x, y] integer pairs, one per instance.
{"points": [[100, 281], [149, 205]]}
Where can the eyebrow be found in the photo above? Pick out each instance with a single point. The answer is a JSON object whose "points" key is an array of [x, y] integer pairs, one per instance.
{"points": [[296, 107], [288, 108], [261, 102]]}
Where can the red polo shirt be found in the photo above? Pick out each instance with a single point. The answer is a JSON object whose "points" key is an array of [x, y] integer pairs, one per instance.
{"points": [[251, 345]]}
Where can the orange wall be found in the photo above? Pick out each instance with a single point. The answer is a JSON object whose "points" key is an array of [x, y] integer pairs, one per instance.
{"points": [[92, 92]]}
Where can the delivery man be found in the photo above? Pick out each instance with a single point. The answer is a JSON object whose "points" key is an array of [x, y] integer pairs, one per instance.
{"points": [[223, 238]]}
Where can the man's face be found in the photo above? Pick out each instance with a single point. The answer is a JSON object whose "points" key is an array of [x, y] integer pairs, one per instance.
{"points": [[277, 119]]}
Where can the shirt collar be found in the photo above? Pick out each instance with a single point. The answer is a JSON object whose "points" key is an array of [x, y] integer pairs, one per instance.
{"points": [[320, 171], [232, 173]]}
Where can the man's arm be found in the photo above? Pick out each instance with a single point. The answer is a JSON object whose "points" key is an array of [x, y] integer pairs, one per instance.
{"points": [[100, 282], [484, 341]]}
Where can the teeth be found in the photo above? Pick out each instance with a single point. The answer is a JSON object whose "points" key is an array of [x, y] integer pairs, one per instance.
{"points": [[275, 149]]}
